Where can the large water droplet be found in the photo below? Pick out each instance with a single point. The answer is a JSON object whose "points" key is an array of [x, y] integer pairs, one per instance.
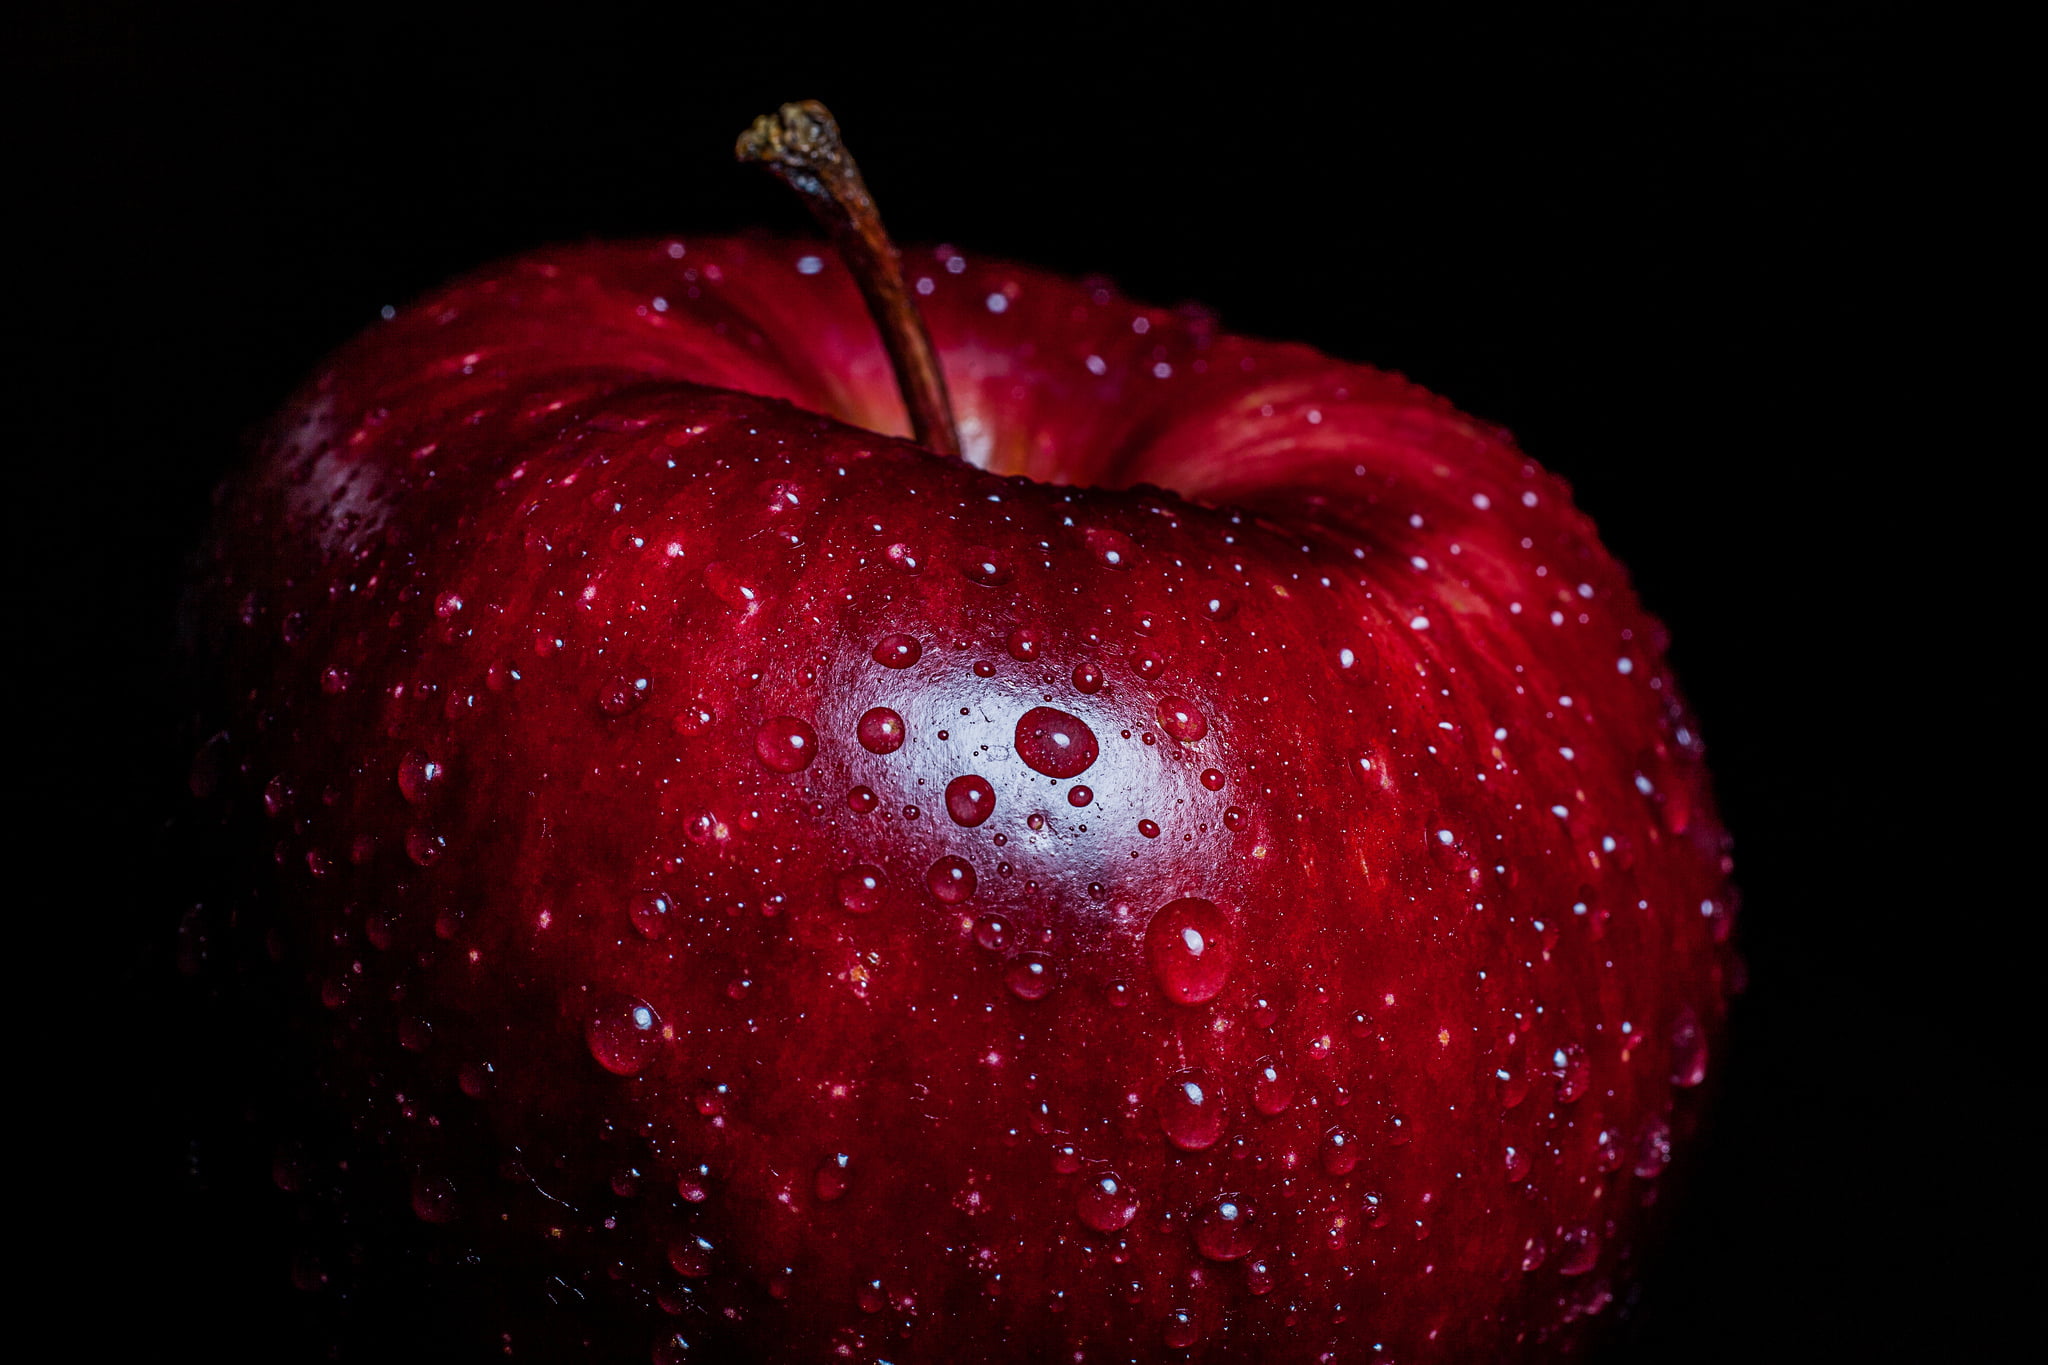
{"points": [[881, 731], [1223, 1230], [419, 776], [649, 911], [1179, 718], [1024, 643], [786, 744], [1272, 1086], [951, 880], [1573, 1070], [1055, 743], [970, 799], [690, 1256], [1688, 1048], [833, 1176], [861, 800], [860, 889], [1107, 1204], [985, 566], [1112, 549], [1029, 976], [1192, 948], [1182, 1330], [1340, 1152], [1192, 1113], [898, 651], [1088, 678], [622, 1032], [1578, 1250]]}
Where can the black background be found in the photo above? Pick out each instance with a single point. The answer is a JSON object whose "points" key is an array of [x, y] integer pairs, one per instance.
{"points": [[1665, 249]]}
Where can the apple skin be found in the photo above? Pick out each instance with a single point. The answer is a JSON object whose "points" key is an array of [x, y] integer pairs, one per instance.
{"points": [[631, 946]]}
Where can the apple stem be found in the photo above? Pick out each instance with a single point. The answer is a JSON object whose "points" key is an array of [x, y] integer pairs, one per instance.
{"points": [[801, 144]]}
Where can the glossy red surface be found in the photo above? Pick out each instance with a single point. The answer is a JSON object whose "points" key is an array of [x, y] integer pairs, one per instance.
{"points": [[674, 805]]}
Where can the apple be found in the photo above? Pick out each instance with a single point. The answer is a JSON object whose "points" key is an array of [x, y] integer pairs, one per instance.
{"points": [[1220, 870]]}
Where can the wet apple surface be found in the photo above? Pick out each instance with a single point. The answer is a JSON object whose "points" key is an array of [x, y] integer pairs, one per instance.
{"points": [[1217, 873]]}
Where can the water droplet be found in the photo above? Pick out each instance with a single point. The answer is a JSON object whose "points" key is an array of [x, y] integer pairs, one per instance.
{"points": [[1113, 549], [1573, 1070], [690, 1256], [1272, 1086], [970, 799], [992, 932], [621, 692], [1533, 1252], [1223, 1230], [1107, 1204], [1179, 718], [1212, 779], [786, 744], [984, 669], [1055, 743], [985, 566], [433, 1199], [1192, 948], [905, 558], [1259, 1276], [898, 651], [673, 1349], [1029, 976], [1653, 1149], [649, 912], [695, 719], [1399, 1131], [1024, 643], [1688, 1049], [833, 1176], [1340, 1152], [1517, 1165], [1191, 1108], [1066, 1158], [1578, 1250], [1148, 828], [1080, 796], [860, 889], [1235, 820], [1182, 1331], [1148, 664], [622, 1033], [881, 731], [951, 880], [424, 846], [419, 777], [861, 800], [1088, 678]]}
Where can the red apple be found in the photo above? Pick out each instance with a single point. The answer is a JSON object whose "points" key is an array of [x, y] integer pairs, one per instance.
{"points": [[1222, 872]]}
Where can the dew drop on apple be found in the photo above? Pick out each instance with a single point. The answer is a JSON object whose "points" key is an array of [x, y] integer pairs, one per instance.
{"points": [[1182, 1330], [419, 777], [1235, 820], [1339, 1152], [1578, 1250], [1653, 1149], [1029, 976], [993, 933], [1079, 795], [1055, 743], [1088, 678], [951, 880], [424, 847], [970, 799], [690, 1256], [622, 1033], [905, 557], [833, 1175], [985, 566], [1112, 549], [433, 1199], [1517, 1164], [673, 1349], [621, 693], [861, 800], [1192, 948], [649, 913], [880, 731], [1688, 1049], [1573, 1070], [897, 651], [1148, 664], [1272, 1086], [1191, 1108], [1212, 779], [786, 744], [1180, 719], [1106, 1203], [1259, 1276], [1024, 643], [1223, 1230], [860, 889]]}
